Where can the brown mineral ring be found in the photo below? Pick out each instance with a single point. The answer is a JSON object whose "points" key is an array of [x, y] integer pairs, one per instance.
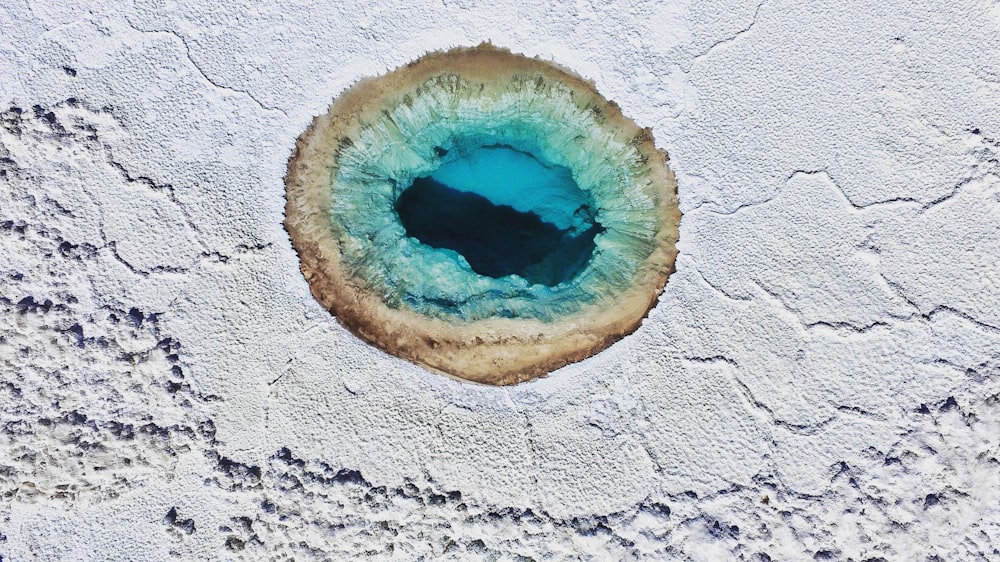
{"points": [[497, 351]]}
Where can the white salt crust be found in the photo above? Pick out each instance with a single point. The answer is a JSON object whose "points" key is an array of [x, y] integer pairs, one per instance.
{"points": [[821, 378]]}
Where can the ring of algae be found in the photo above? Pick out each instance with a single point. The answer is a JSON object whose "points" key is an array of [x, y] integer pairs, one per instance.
{"points": [[427, 304]]}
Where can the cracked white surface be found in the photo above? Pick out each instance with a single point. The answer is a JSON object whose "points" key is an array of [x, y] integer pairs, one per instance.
{"points": [[821, 378]]}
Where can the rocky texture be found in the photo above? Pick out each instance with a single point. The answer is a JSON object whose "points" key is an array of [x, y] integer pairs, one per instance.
{"points": [[819, 380]]}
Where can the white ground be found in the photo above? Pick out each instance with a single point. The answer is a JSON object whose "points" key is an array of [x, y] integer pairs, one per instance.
{"points": [[821, 379]]}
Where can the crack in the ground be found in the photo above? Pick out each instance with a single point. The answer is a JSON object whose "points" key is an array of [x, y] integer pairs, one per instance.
{"points": [[728, 40], [215, 83]]}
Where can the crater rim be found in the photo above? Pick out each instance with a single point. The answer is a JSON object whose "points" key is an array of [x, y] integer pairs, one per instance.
{"points": [[497, 350]]}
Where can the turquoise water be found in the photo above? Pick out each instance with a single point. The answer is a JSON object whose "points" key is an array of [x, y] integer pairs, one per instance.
{"points": [[506, 213], [506, 176], [520, 204]]}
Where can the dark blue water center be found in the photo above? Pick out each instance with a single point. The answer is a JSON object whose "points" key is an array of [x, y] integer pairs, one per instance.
{"points": [[506, 213]]}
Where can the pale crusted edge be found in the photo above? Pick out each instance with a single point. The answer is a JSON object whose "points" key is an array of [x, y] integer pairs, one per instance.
{"points": [[494, 351]]}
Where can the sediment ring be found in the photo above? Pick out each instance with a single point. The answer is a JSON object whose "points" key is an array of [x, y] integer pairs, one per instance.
{"points": [[427, 304]]}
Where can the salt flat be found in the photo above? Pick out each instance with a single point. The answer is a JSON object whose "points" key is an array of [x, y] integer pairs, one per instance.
{"points": [[820, 379]]}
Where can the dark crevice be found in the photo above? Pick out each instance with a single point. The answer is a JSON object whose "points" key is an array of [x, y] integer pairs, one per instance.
{"points": [[186, 525]]}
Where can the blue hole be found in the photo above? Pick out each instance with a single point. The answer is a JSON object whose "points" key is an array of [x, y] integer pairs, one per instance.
{"points": [[482, 213], [506, 212]]}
